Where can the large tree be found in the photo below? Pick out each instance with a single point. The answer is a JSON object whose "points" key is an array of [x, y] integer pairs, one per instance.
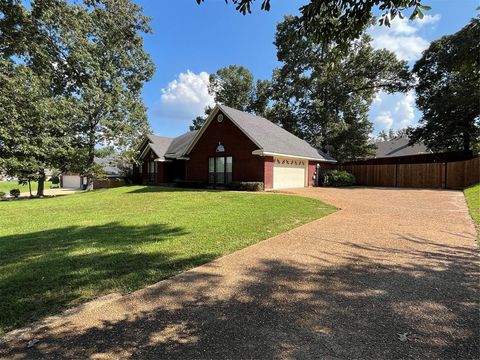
{"points": [[89, 54], [107, 66], [448, 91], [322, 93], [34, 111], [34, 127], [343, 20], [234, 86]]}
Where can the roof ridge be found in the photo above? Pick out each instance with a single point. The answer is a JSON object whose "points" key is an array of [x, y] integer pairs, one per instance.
{"points": [[271, 137]]}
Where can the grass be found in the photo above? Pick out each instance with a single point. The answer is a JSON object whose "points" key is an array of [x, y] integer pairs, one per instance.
{"points": [[6, 186], [59, 252], [472, 195]]}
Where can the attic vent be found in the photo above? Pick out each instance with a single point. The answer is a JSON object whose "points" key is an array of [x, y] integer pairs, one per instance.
{"points": [[220, 117]]}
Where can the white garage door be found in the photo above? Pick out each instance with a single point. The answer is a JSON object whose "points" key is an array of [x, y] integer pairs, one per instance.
{"points": [[289, 173], [71, 181]]}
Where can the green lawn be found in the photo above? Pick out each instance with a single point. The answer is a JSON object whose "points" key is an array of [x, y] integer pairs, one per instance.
{"points": [[472, 195], [6, 186], [59, 252]]}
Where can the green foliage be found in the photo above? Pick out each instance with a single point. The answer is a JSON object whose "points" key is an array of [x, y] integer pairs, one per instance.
{"points": [[343, 20], [124, 239], [2, 194], [339, 178], [392, 134], [246, 186], [55, 180], [71, 75], [322, 93], [33, 122], [233, 86], [448, 92], [15, 193], [472, 196], [198, 122]]}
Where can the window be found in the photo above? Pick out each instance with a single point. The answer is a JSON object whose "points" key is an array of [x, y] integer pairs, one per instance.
{"points": [[228, 169], [211, 170], [220, 170], [152, 171]]}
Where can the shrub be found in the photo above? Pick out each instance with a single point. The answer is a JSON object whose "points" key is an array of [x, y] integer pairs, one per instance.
{"points": [[339, 178], [15, 193], [2, 194], [246, 185], [192, 184]]}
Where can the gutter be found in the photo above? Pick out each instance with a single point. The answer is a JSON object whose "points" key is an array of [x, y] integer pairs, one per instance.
{"points": [[268, 153]]}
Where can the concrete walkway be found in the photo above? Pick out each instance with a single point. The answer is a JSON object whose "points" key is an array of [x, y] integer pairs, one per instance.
{"points": [[393, 275], [54, 192]]}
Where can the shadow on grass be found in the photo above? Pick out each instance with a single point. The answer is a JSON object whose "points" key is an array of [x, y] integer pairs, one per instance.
{"points": [[159, 188], [285, 309], [44, 272]]}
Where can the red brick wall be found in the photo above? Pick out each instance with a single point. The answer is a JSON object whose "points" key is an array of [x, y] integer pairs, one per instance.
{"points": [[245, 166], [160, 172], [268, 172], [312, 167]]}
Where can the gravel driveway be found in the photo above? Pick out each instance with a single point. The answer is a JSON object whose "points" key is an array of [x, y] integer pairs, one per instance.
{"points": [[393, 275]]}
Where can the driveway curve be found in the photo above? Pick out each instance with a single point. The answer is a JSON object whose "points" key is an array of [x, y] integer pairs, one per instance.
{"points": [[392, 275]]}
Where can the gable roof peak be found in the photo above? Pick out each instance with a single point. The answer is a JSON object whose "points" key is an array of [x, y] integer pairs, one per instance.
{"points": [[268, 136]]}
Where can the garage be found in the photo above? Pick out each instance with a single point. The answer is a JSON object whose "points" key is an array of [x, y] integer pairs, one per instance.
{"points": [[289, 173], [71, 181]]}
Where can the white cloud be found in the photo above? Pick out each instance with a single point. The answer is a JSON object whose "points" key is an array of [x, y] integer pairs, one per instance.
{"points": [[405, 110], [185, 97], [402, 36], [396, 111], [385, 119]]}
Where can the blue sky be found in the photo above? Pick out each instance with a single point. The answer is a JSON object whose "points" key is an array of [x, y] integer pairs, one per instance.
{"points": [[190, 41]]}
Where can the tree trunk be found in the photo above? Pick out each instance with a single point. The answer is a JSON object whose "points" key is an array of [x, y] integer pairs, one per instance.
{"points": [[41, 184], [30, 187], [91, 159]]}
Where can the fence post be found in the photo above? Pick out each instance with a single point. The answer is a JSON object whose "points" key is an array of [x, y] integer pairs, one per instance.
{"points": [[396, 175], [444, 175]]}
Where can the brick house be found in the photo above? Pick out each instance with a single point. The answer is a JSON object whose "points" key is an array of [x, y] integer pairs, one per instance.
{"points": [[231, 146]]}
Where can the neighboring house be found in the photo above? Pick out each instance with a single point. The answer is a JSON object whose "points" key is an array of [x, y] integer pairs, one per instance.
{"points": [[231, 146], [108, 164], [398, 146]]}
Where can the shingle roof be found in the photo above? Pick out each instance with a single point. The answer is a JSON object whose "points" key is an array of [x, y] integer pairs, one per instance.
{"points": [[271, 137], [399, 147], [159, 144], [109, 165], [165, 147], [179, 144]]}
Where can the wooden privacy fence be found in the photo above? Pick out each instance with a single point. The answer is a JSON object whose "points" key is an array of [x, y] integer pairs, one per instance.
{"points": [[451, 175]]}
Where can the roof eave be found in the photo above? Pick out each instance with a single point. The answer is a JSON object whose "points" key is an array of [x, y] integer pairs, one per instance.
{"points": [[262, 152]]}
